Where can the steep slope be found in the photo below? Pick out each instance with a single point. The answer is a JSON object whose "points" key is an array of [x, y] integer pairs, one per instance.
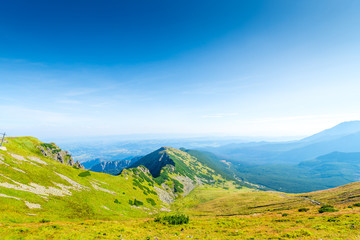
{"points": [[53, 151], [113, 167], [177, 172], [33, 187], [221, 166], [155, 161]]}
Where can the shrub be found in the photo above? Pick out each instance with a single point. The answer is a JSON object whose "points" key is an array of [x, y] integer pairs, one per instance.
{"points": [[151, 201], [327, 208], [177, 219], [356, 205], [44, 220], [136, 202], [117, 201], [84, 174], [48, 145], [333, 219], [303, 209], [284, 214]]}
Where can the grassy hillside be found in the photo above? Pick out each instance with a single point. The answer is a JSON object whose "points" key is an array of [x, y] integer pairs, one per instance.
{"points": [[178, 172], [44, 199], [254, 215], [34, 187]]}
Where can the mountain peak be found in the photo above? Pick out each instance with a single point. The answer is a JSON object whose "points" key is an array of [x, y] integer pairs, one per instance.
{"points": [[342, 129], [155, 161]]}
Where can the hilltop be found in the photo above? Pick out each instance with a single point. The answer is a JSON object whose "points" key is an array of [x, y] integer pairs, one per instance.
{"points": [[178, 172]]}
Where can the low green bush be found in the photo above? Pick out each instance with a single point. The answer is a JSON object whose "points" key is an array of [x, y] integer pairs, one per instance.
{"points": [[84, 174], [303, 209], [136, 202], [327, 208], [44, 220], [177, 219], [151, 201]]}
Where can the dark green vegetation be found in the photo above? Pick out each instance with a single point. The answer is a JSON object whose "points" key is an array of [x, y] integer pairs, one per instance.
{"points": [[176, 219], [303, 209], [327, 208], [84, 174], [136, 202]]}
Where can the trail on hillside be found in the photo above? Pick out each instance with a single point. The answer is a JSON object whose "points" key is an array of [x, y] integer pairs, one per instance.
{"points": [[306, 198]]}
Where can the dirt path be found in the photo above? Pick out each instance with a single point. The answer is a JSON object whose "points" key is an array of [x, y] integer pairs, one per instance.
{"points": [[306, 198]]}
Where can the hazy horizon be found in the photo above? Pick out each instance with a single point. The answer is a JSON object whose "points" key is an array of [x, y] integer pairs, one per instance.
{"points": [[233, 68]]}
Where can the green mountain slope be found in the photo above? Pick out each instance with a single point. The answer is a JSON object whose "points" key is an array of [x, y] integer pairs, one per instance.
{"points": [[222, 167], [35, 189], [33, 186], [178, 172]]}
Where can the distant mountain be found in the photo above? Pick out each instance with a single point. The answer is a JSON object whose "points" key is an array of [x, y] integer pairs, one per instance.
{"points": [[346, 165], [90, 163], [323, 172], [347, 143], [343, 137], [340, 130], [113, 167]]}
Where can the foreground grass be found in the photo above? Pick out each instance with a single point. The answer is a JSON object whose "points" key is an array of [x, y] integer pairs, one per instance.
{"points": [[271, 225]]}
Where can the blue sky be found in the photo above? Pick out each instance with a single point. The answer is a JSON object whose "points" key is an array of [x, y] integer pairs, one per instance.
{"points": [[191, 68]]}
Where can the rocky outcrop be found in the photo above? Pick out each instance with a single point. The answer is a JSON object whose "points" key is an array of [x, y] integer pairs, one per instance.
{"points": [[52, 151]]}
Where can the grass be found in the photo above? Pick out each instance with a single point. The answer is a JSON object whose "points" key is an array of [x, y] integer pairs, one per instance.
{"points": [[89, 203], [261, 226], [219, 211]]}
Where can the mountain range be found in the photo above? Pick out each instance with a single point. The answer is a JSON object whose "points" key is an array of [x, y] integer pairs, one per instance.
{"points": [[55, 199], [324, 160]]}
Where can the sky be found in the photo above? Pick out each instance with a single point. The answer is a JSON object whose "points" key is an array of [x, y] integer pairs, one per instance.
{"points": [[178, 68]]}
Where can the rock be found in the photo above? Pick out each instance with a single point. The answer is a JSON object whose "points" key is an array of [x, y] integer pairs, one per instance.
{"points": [[71, 161], [59, 155]]}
